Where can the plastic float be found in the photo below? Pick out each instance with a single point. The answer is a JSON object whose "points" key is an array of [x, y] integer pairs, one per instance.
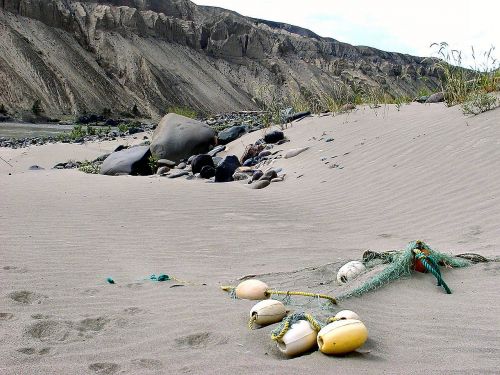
{"points": [[342, 336], [252, 289], [350, 271], [343, 315], [296, 334], [267, 312]]}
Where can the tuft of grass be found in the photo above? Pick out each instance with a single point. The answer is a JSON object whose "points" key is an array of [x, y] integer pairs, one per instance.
{"points": [[89, 167], [183, 111], [479, 102], [460, 84]]}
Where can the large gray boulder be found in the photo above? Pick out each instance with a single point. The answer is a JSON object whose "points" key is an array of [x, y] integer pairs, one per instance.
{"points": [[178, 137], [436, 98], [134, 161]]}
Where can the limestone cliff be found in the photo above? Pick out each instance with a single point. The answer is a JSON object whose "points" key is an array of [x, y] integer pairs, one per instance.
{"points": [[86, 55]]}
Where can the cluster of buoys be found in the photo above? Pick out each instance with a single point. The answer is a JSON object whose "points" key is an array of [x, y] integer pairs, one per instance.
{"points": [[299, 333]]}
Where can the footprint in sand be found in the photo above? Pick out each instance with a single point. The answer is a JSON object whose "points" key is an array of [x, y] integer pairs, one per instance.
{"points": [[133, 310], [40, 316], [31, 351], [49, 331], [104, 368], [150, 364], [61, 331], [199, 340], [26, 297], [15, 269], [6, 316]]}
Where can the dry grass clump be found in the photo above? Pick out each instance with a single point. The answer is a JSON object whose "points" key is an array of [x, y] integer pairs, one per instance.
{"points": [[468, 86]]}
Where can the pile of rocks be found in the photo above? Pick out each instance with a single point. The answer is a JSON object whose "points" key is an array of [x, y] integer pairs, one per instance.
{"points": [[185, 147]]}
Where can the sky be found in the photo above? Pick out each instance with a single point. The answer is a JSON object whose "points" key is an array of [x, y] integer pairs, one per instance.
{"points": [[391, 25]]}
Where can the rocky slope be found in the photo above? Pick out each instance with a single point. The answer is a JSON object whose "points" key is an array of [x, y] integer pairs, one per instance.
{"points": [[78, 56]]}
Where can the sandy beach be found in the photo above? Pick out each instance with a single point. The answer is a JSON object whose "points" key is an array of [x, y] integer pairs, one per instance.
{"points": [[389, 177]]}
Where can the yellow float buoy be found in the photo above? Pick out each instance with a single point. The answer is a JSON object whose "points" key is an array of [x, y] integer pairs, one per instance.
{"points": [[252, 289], [345, 314], [342, 336], [300, 338], [267, 312]]}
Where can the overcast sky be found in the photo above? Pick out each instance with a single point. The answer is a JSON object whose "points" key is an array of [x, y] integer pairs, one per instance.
{"points": [[391, 25]]}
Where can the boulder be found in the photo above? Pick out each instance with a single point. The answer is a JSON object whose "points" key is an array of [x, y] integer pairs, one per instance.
{"points": [[269, 175], [274, 136], [435, 98], [297, 116], [216, 150], [178, 137], [165, 162], [225, 170], [200, 161], [133, 161], [231, 134], [261, 184], [207, 172]]}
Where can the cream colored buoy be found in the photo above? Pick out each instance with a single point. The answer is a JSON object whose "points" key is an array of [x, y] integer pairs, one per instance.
{"points": [[300, 338], [267, 312], [342, 336], [350, 271], [346, 314], [252, 289]]}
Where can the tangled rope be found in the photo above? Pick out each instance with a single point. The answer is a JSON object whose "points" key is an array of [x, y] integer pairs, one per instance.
{"points": [[400, 264], [280, 331], [431, 266]]}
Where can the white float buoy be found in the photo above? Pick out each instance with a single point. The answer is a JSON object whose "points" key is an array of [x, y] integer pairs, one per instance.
{"points": [[267, 312], [342, 336], [252, 289], [300, 338], [346, 314], [350, 271]]}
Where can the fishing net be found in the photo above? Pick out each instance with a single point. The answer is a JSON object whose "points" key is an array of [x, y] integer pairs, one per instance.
{"points": [[400, 264]]}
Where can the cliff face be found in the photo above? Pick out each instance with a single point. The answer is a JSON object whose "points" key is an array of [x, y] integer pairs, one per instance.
{"points": [[88, 55]]}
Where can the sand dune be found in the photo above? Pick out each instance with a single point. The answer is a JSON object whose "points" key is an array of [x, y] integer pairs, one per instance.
{"points": [[424, 172]]}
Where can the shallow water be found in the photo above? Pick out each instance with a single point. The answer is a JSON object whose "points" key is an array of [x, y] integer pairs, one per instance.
{"points": [[16, 130]]}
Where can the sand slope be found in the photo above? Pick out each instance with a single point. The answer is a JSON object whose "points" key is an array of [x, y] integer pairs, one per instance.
{"points": [[425, 172]]}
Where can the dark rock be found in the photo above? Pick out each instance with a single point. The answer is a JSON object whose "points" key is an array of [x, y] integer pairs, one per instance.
{"points": [[225, 170], [269, 175], [200, 161], [274, 136], [297, 116], [134, 130], [133, 161], [166, 162], [207, 172], [435, 98], [329, 140], [177, 137], [257, 175], [92, 118], [264, 153], [112, 122], [59, 166], [231, 134], [216, 150], [120, 147], [250, 162], [36, 168]]}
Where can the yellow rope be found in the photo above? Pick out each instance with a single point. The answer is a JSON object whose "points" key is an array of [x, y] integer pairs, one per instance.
{"points": [[332, 319], [280, 335], [286, 326], [251, 322], [305, 294]]}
